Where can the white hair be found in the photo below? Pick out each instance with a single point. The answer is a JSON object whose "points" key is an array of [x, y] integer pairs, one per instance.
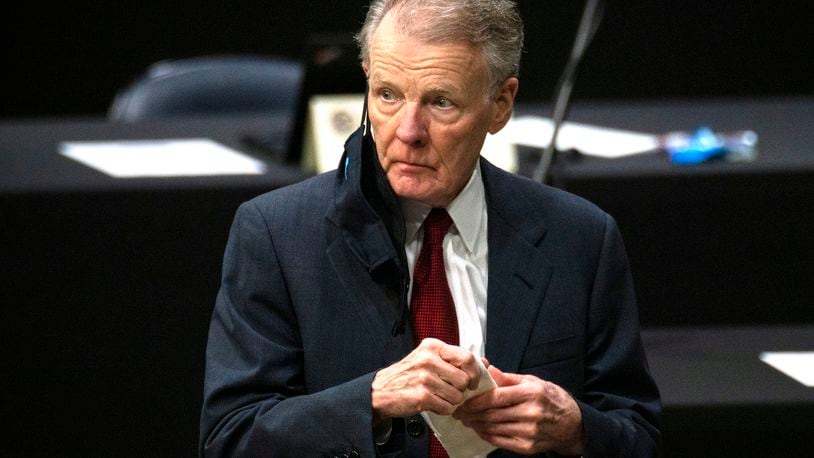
{"points": [[494, 26]]}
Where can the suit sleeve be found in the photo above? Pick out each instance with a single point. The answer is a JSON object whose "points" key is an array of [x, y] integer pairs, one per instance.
{"points": [[255, 401], [620, 405]]}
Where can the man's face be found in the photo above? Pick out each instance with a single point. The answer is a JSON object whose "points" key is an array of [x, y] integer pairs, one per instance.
{"points": [[430, 109]]}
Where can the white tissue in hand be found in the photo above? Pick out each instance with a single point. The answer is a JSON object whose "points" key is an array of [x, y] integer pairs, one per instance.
{"points": [[461, 441]]}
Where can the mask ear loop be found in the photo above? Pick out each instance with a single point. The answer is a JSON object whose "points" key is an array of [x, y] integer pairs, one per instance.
{"points": [[365, 118]]}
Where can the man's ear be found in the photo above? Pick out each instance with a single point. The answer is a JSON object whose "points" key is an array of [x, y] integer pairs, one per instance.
{"points": [[504, 104], [365, 69]]}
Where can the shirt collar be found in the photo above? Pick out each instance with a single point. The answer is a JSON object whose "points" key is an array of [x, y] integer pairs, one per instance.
{"points": [[466, 211]]}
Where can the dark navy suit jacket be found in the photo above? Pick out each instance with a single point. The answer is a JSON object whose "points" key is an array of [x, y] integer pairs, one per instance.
{"points": [[306, 311]]}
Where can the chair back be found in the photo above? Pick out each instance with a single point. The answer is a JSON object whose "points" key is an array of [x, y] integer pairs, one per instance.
{"points": [[211, 85]]}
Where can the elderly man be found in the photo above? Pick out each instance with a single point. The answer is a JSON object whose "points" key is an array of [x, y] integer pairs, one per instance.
{"points": [[356, 300]]}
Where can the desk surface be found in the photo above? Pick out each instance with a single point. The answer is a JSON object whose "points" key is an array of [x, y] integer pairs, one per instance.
{"points": [[29, 159], [783, 125]]}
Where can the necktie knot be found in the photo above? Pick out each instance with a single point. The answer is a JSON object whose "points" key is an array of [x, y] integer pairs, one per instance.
{"points": [[436, 225]]}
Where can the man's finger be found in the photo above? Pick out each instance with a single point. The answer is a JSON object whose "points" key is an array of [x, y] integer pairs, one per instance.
{"points": [[463, 360], [504, 396]]}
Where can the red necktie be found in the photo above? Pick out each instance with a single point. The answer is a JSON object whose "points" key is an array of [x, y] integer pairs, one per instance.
{"points": [[431, 306]]}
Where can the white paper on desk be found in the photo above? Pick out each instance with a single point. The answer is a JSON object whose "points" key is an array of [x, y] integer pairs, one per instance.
{"points": [[162, 158], [798, 365], [459, 440], [605, 142]]}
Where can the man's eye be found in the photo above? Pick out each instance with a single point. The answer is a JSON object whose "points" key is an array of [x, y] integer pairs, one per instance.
{"points": [[443, 102], [387, 95]]}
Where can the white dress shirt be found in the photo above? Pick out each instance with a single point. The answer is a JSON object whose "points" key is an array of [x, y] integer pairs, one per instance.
{"points": [[465, 257]]}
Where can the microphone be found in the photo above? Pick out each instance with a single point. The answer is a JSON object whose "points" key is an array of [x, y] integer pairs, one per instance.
{"points": [[591, 17]]}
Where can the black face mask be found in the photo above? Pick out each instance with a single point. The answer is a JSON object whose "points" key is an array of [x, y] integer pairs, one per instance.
{"points": [[376, 187], [362, 180]]}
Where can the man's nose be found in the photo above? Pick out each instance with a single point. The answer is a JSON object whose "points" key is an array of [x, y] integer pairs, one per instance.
{"points": [[412, 129]]}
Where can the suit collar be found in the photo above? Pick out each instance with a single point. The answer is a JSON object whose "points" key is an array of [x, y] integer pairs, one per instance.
{"points": [[507, 201]]}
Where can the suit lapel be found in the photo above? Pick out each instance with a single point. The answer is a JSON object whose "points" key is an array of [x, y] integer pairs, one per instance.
{"points": [[518, 279], [519, 273]]}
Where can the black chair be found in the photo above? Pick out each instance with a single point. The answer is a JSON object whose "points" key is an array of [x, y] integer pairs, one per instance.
{"points": [[211, 85]]}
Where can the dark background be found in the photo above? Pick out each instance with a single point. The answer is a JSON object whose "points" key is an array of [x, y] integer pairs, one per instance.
{"points": [[105, 359], [70, 59]]}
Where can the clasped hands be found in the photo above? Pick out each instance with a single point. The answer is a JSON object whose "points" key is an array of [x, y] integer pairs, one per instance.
{"points": [[524, 413]]}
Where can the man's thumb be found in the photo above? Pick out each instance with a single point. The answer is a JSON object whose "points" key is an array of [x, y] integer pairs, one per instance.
{"points": [[503, 378]]}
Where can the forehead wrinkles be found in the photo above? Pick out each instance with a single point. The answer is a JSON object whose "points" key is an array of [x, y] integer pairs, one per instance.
{"points": [[395, 69], [391, 60]]}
